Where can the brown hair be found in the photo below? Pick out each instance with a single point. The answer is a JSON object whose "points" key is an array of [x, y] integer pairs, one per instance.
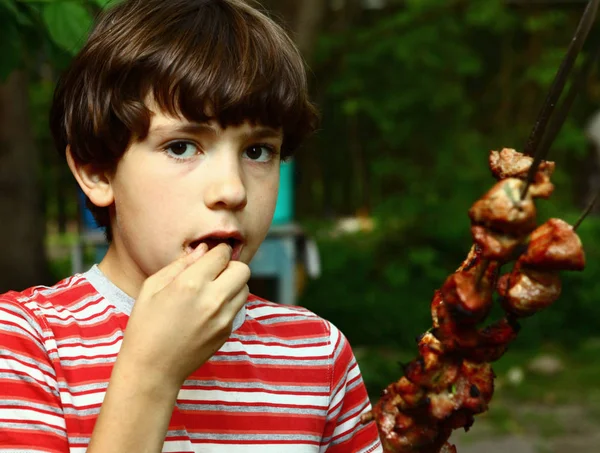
{"points": [[186, 55]]}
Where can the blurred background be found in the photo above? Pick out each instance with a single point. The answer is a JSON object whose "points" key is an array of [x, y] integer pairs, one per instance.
{"points": [[373, 211]]}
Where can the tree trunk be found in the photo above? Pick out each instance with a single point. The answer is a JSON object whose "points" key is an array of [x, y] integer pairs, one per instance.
{"points": [[23, 260]]}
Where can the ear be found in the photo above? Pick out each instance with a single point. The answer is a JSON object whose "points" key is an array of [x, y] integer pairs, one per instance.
{"points": [[94, 183]]}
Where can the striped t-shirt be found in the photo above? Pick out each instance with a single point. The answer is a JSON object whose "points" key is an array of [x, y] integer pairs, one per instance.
{"points": [[285, 381]]}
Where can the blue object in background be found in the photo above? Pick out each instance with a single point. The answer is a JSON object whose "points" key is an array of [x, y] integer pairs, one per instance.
{"points": [[277, 255], [87, 218], [90, 227], [284, 210]]}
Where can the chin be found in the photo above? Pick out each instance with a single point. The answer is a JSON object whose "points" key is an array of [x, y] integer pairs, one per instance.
{"points": [[247, 255]]}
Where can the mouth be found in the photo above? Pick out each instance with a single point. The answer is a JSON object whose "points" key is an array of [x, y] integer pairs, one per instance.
{"points": [[234, 239]]}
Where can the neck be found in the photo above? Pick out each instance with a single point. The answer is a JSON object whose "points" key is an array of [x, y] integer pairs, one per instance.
{"points": [[122, 272]]}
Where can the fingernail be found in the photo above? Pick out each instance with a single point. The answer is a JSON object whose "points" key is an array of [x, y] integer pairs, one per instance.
{"points": [[201, 249]]}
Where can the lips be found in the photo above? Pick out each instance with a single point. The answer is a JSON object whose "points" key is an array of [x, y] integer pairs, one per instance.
{"points": [[234, 239]]}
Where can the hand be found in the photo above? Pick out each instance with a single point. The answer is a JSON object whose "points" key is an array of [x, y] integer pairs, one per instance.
{"points": [[184, 314]]}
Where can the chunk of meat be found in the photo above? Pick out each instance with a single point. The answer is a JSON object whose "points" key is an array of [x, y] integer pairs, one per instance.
{"points": [[509, 163], [526, 291], [555, 246], [469, 292], [452, 380], [495, 246], [502, 210]]}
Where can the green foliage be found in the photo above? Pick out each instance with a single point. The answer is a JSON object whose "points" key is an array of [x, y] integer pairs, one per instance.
{"points": [[9, 48], [48, 28], [425, 91], [420, 92], [68, 24], [377, 288], [39, 37]]}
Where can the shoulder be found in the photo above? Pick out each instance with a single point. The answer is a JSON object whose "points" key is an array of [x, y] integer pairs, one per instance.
{"points": [[270, 313], [293, 323], [36, 303]]}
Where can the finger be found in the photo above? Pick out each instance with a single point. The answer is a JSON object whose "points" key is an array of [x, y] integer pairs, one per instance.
{"points": [[209, 267], [240, 300], [167, 274], [237, 301], [232, 280]]}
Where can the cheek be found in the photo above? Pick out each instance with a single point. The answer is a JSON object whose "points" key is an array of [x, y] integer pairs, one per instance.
{"points": [[267, 195], [145, 206]]}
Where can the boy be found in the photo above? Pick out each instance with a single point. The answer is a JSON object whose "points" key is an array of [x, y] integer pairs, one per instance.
{"points": [[173, 120]]}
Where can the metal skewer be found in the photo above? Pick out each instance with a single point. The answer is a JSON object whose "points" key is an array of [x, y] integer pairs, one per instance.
{"points": [[560, 117], [587, 211], [536, 137], [548, 126]]}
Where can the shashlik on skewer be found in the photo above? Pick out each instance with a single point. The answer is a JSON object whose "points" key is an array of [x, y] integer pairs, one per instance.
{"points": [[452, 379]]}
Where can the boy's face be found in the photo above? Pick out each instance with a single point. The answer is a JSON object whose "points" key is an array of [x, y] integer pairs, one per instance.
{"points": [[189, 183]]}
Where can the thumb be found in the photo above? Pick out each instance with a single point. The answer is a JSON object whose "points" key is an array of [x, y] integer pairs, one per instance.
{"points": [[158, 281]]}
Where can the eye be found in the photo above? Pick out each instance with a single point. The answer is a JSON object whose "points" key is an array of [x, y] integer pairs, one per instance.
{"points": [[260, 153], [181, 150]]}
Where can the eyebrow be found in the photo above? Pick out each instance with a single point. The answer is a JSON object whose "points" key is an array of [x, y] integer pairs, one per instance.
{"points": [[261, 133], [257, 133], [186, 128]]}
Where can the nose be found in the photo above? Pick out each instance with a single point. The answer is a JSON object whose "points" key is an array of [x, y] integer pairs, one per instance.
{"points": [[226, 188]]}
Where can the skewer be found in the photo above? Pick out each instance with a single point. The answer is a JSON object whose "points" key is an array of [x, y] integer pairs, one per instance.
{"points": [[540, 140], [537, 134], [587, 211], [557, 121], [559, 118], [406, 394]]}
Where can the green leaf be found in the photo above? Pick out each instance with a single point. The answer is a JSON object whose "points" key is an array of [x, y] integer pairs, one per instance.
{"points": [[68, 24], [10, 6], [351, 107], [13, 9], [9, 49]]}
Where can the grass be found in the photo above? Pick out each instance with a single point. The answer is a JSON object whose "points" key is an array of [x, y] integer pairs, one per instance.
{"points": [[579, 377], [500, 420]]}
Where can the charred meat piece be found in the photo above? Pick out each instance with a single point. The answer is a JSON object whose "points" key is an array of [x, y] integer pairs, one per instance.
{"points": [[443, 403], [468, 396], [495, 246], [534, 283], [478, 345], [436, 303], [526, 291], [473, 258], [470, 392], [461, 419], [555, 246], [469, 292], [399, 431], [475, 386], [452, 379], [493, 341], [502, 210], [413, 396], [509, 163], [431, 371]]}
